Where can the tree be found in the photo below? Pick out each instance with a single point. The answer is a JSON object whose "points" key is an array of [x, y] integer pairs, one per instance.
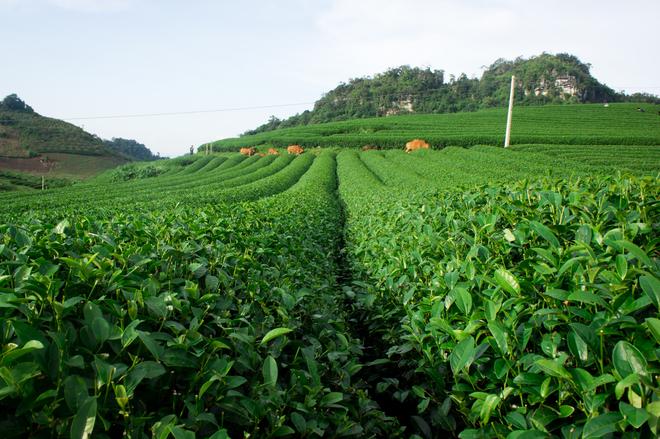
{"points": [[14, 103]]}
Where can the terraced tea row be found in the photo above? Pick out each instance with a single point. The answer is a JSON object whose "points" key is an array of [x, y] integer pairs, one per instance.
{"points": [[516, 309], [260, 176], [586, 124], [482, 291]]}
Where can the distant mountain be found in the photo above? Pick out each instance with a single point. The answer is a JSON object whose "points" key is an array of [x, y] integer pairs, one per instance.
{"points": [[543, 79], [34, 145]]}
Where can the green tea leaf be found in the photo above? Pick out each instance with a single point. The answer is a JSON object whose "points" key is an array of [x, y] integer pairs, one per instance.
{"points": [[553, 368], [507, 281], [621, 264], [585, 297], [274, 333], [635, 417], [651, 286], [578, 347], [269, 371], [463, 299], [622, 385], [654, 328], [462, 355], [220, 434], [499, 333], [627, 359], [490, 403], [332, 398], [299, 422], [83, 422], [75, 391], [601, 425], [545, 233], [181, 433], [61, 227], [637, 252]]}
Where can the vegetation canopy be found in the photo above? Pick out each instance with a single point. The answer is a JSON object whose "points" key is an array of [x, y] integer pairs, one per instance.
{"points": [[476, 292]]}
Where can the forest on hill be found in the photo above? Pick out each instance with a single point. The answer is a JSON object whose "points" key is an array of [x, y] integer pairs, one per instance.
{"points": [[543, 79]]}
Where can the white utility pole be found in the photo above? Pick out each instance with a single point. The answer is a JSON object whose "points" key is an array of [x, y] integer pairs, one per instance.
{"points": [[507, 137]]}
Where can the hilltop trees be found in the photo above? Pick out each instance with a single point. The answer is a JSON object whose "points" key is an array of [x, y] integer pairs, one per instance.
{"points": [[14, 103], [547, 78], [131, 148]]}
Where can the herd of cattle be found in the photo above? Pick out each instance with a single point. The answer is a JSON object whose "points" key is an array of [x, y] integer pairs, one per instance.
{"points": [[297, 149]]}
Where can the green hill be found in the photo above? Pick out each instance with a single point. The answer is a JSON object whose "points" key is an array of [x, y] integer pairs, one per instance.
{"points": [[24, 133], [540, 80], [32, 146], [579, 124]]}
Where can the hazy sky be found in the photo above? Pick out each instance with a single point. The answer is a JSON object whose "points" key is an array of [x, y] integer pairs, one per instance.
{"points": [[83, 58]]}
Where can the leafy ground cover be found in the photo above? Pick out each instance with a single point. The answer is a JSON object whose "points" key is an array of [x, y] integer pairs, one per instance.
{"points": [[477, 292], [520, 309], [583, 124]]}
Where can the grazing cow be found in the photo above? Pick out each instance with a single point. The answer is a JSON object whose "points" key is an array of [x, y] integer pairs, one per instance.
{"points": [[416, 144], [273, 151], [295, 149], [370, 147], [248, 151], [640, 109]]}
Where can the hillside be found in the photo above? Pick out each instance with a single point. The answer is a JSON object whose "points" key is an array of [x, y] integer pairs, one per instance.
{"points": [[25, 133], [32, 146], [543, 79], [580, 124]]}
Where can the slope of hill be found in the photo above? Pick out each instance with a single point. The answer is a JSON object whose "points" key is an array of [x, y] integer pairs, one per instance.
{"points": [[32, 146], [580, 124], [543, 79], [28, 134]]}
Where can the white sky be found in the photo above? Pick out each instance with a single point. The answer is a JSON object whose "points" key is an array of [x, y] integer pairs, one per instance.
{"points": [[82, 58]]}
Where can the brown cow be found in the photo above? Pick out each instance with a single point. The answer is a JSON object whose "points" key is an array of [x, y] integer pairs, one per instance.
{"points": [[248, 151], [273, 151], [262, 154], [416, 144], [295, 149]]}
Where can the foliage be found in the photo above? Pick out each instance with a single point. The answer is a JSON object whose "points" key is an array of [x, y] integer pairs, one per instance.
{"points": [[373, 294], [132, 172], [13, 103], [526, 308], [131, 149], [587, 124], [408, 89], [23, 180]]}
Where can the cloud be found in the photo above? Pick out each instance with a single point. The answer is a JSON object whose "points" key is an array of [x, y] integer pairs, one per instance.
{"points": [[365, 37]]}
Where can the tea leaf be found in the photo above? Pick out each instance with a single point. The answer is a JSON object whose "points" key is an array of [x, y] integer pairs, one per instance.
{"points": [[274, 333]]}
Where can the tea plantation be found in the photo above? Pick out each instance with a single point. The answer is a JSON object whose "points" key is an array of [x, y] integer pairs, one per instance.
{"points": [[585, 124], [476, 292]]}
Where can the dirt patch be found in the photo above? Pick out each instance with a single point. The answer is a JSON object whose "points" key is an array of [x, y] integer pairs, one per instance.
{"points": [[30, 165], [64, 165]]}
